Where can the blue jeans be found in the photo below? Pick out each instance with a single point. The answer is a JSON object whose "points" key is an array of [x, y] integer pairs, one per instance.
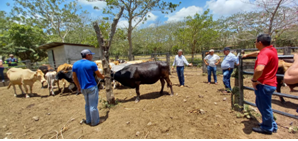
{"points": [[226, 78], [1, 73], [91, 99], [180, 72], [213, 70], [263, 102]]}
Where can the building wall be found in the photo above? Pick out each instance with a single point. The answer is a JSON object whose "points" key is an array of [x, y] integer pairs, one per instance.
{"points": [[74, 52], [59, 55]]}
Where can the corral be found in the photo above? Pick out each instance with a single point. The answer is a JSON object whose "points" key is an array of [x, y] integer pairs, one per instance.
{"points": [[153, 117]]}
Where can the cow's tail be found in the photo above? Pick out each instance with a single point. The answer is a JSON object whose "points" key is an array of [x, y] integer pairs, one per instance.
{"points": [[9, 85]]}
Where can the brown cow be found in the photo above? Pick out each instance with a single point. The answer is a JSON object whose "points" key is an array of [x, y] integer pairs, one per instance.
{"points": [[65, 68]]}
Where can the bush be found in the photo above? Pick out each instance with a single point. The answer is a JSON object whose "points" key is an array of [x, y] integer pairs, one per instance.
{"points": [[196, 62]]}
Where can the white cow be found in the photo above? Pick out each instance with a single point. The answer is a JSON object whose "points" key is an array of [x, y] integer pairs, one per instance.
{"points": [[51, 79], [19, 76]]}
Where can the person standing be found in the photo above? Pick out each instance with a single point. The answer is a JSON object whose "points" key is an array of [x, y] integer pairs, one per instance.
{"points": [[264, 82], [227, 67], [211, 60], [179, 62], [12, 61], [83, 76], [1, 70]]}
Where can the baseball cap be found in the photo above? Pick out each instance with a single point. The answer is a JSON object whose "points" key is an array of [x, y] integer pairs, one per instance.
{"points": [[211, 50], [226, 48], [86, 52], [10, 54]]}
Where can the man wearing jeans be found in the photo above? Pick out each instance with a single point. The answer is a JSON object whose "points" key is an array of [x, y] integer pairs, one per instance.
{"points": [[179, 62], [264, 82], [227, 67], [211, 60], [83, 76]]}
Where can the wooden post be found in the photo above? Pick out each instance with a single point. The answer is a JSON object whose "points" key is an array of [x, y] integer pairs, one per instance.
{"points": [[28, 64], [204, 67], [105, 48], [287, 51], [68, 61], [133, 57], [168, 61], [240, 84]]}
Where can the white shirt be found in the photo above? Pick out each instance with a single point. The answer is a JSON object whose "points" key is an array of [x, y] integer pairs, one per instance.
{"points": [[212, 59], [179, 61]]}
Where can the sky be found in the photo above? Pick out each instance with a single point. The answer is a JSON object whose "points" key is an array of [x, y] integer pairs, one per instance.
{"points": [[187, 8]]}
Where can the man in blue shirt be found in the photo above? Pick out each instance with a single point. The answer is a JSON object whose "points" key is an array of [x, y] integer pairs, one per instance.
{"points": [[227, 67], [11, 61], [83, 76]]}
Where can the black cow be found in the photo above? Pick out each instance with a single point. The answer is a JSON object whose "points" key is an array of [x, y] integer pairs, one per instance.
{"points": [[144, 73], [45, 68], [68, 77]]}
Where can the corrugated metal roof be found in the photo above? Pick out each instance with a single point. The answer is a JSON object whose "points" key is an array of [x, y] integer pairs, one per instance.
{"points": [[55, 44]]}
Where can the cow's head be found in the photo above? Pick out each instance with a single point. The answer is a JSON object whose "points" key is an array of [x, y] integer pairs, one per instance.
{"points": [[40, 76]]}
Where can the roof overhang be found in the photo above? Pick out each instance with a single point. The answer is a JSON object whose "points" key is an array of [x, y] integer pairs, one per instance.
{"points": [[56, 44]]}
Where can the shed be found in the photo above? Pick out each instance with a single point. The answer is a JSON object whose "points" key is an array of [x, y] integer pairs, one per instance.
{"points": [[60, 53]]}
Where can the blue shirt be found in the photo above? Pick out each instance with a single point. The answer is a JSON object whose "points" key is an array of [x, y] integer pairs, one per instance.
{"points": [[85, 72], [229, 61], [13, 61], [179, 61]]}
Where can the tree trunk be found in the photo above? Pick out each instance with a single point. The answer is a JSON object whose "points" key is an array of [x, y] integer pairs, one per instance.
{"points": [[129, 32], [272, 18], [193, 50]]}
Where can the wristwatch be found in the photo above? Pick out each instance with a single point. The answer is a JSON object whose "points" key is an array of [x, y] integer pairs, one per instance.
{"points": [[254, 80]]}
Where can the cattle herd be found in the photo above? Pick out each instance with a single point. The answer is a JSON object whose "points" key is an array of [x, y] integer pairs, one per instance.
{"points": [[128, 73]]}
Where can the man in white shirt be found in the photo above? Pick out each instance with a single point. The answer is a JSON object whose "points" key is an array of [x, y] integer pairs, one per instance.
{"points": [[179, 62], [211, 60]]}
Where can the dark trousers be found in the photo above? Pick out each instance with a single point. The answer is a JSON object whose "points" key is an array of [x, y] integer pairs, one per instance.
{"points": [[226, 78], [211, 70], [263, 102], [1, 73], [180, 72]]}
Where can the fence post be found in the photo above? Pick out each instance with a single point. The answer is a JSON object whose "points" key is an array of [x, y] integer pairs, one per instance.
{"points": [[28, 64], [133, 57], [168, 61], [240, 84], [68, 60], [203, 63], [287, 51]]}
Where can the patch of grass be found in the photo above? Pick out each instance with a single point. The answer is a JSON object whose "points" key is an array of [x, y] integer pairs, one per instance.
{"points": [[246, 113], [106, 104]]}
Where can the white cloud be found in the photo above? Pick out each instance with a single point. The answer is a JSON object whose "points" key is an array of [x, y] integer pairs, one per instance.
{"points": [[124, 23], [184, 12], [99, 4], [152, 25], [228, 7]]}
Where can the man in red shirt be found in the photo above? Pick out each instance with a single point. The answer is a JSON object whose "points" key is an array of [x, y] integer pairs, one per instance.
{"points": [[264, 81]]}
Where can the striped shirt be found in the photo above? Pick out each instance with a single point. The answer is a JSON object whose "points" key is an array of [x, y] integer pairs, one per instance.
{"points": [[179, 61]]}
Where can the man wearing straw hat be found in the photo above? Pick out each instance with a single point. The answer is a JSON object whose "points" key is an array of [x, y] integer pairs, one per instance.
{"points": [[211, 60], [179, 62], [12, 61]]}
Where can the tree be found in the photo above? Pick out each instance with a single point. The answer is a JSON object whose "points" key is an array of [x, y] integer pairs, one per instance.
{"points": [[105, 48], [24, 42], [199, 31], [55, 16], [137, 11]]}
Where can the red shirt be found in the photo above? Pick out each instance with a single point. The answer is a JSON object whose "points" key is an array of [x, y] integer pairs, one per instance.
{"points": [[268, 57]]}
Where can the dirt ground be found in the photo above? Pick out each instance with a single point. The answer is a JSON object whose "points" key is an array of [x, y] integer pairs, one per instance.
{"points": [[155, 116]]}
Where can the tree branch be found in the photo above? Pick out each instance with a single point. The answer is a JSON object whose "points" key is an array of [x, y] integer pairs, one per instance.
{"points": [[114, 24]]}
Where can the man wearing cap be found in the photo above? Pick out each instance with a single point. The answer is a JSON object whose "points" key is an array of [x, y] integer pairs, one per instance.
{"points": [[211, 60], [227, 67], [83, 76], [12, 61], [179, 62]]}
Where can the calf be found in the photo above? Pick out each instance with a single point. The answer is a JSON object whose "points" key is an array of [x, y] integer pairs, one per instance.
{"points": [[67, 75], [64, 67], [51, 79], [19, 76], [144, 73], [45, 68]]}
